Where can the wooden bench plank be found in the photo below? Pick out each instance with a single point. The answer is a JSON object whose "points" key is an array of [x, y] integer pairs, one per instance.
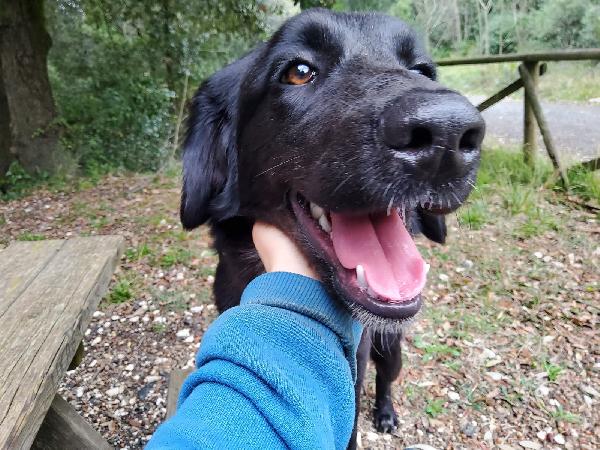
{"points": [[64, 429], [42, 321], [176, 379], [20, 264]]}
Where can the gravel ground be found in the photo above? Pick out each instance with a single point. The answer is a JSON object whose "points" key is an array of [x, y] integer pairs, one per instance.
{"points": [[505, 355]]}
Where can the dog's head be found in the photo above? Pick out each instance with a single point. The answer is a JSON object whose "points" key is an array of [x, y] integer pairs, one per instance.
{"points": [[336, 131]]}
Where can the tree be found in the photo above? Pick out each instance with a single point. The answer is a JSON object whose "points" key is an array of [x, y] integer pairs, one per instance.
{"points": [[28, 133]]}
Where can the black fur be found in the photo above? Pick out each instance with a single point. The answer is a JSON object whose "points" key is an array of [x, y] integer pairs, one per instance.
{"points": [[253, 141]]}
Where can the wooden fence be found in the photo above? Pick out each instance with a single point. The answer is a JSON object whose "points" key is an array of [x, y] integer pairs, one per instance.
{"points": [[531, 68]]}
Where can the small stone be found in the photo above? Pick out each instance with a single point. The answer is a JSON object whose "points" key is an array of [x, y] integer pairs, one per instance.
{"points": [[152, 378], [210, 279], [372, 436], [129, 367], [96, 340], [179, 276], [543, 390], [496, 376], [79, 391], [443, 277], [197, 309], [469, 429], [541, 435], [113, 391], [487, 353], [454, 396], [97, 314], [183, 333], [538, 255], [530, 445], [493, 362], [589, 390], [559, 439], [114, 317]]}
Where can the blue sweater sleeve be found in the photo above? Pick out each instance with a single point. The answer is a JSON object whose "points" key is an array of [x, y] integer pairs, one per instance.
{"points": [[278, 371]]}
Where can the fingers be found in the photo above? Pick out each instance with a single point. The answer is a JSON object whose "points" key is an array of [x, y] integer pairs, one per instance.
{"points": [[278, 252]]}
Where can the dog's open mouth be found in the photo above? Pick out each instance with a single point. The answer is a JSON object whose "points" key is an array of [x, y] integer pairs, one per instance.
{"points": [[376, 262]]}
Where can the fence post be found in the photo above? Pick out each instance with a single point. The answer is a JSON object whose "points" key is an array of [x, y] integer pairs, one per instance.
{"points": [[529, 129]]}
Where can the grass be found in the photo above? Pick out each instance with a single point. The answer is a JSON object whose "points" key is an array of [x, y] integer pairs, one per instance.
{"points": [[520, 187], [435, 351], [31, 237], [560, 415], [137, 253], [566, 81], [475, 215], [552, 370], [124, 289], [174, 255], [434, 408]]}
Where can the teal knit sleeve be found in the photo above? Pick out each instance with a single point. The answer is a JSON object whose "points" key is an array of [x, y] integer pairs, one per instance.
{"points": [[277, 371]]}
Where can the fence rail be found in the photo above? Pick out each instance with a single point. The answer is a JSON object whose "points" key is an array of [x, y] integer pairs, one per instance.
{"points": [[530, 69], [557, 55]]}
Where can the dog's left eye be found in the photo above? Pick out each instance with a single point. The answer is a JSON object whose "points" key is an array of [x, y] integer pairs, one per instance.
{"points": [[299, 74]]}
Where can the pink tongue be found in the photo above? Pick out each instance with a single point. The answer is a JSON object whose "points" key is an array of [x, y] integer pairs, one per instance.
{"points": [[393, 266]]}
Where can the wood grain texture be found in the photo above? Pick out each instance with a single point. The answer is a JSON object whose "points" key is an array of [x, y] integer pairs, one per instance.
{"points": [[48, 292], [64, 429], [176, 380]]}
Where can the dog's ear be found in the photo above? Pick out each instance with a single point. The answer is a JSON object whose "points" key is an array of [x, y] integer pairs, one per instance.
{"points": [[210, 175], [433, 226]]}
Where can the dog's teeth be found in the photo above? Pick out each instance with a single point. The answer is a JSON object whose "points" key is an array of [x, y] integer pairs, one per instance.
{"points": [[325, 223], [427, 267], [316, 211], [360, 277]]}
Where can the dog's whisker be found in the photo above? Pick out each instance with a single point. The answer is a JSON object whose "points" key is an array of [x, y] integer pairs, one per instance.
{"points": [[277, 166], [342, 183]]}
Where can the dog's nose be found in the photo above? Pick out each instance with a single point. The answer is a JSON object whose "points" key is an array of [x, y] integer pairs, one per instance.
{"points": [[435, 133]]}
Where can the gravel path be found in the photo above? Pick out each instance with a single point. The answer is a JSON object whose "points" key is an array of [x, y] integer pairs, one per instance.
{"points": [[575, 126]]}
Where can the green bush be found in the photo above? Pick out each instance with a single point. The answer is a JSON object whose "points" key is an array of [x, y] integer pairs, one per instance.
{"points": [[116, 114]]}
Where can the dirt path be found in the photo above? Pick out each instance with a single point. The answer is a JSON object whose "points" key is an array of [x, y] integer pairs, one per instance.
{"points": [[575, 126]]}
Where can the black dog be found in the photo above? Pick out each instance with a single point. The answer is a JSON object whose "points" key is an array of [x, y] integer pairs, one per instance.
{"points": [[335, 131]]}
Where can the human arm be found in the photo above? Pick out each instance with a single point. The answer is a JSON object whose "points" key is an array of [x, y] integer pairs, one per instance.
{"points": [[277, 371]]}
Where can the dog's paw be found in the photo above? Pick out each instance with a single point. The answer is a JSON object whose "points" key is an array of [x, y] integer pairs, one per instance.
{"points": [[386, 420]]}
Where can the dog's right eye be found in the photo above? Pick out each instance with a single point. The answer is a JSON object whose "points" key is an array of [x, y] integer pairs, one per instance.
{"points": [[299, 74]]}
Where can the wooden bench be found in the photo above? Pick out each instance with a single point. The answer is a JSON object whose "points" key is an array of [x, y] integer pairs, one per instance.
{"points": [[48, 292]]}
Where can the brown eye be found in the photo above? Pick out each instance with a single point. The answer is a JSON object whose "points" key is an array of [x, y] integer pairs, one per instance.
{"points": [[299, 74]]}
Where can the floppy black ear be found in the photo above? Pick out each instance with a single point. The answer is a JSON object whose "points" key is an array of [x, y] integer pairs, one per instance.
{"points": [[209, 155], [433, 226]]}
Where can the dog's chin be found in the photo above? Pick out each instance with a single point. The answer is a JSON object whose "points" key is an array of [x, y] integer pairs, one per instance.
{"points": [[366, 306]]}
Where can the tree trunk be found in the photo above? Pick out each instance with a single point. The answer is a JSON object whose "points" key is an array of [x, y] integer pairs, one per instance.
{"points": [[24, 45], [456, 25], [6, 157]]}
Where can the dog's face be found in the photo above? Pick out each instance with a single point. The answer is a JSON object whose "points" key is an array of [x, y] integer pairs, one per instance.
{"points": [[337, 132]]}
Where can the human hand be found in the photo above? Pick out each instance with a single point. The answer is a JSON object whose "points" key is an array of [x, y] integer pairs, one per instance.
{"points": [[278, 252]]}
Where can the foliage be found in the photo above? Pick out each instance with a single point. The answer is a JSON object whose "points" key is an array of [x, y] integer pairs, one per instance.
{"points": [[118, 70], [494, 26], [305, 4]]}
